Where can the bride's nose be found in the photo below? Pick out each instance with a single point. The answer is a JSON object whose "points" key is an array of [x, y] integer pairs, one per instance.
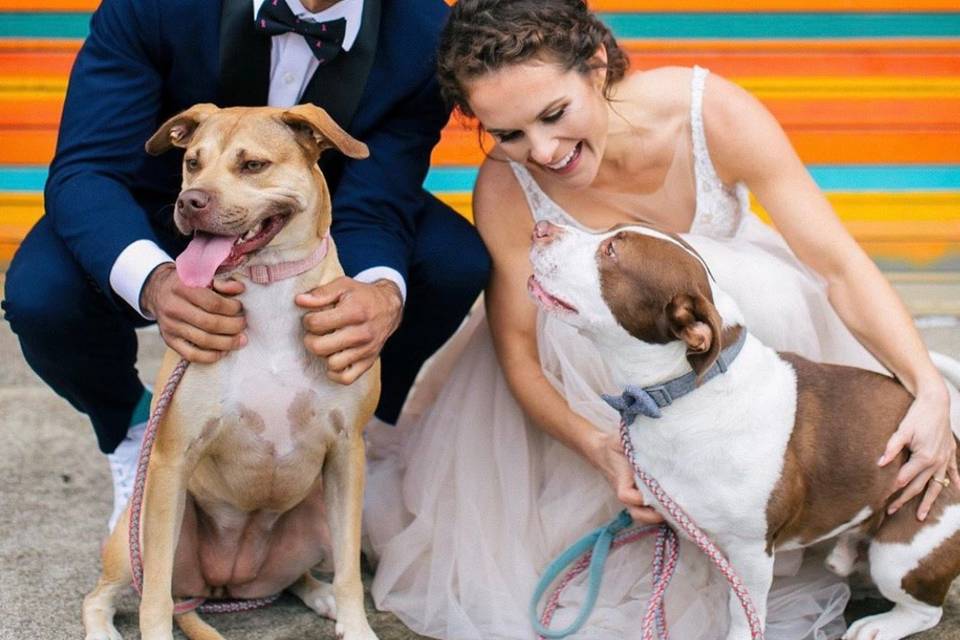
{"points": [[542, 149]]}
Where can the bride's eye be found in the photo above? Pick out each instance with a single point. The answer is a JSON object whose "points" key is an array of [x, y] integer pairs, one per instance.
{"points": [[556, 115]]}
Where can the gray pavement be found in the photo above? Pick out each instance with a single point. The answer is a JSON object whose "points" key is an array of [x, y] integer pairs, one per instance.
{"points": [[55, 496]]}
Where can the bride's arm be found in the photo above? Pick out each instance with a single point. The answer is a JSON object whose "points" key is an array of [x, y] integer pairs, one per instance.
{"points": [[506, 226], [747, 144]]}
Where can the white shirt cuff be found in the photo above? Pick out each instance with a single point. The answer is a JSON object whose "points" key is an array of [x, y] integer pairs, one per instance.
{"points": [[373, 274], [131, 269]]}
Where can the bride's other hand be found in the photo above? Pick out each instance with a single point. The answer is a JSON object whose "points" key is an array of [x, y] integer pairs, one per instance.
{"points": [[925, 430], [616, 468]]}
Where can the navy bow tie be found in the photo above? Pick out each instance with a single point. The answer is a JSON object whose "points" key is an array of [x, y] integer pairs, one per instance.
{"points": [[325, 38]]}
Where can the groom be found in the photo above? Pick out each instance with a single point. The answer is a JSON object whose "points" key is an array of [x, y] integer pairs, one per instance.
{"points": [[98, 264]]}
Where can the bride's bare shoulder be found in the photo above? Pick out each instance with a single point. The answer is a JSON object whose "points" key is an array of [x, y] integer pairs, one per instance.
{"points": [[655, 93], [499, 206]]}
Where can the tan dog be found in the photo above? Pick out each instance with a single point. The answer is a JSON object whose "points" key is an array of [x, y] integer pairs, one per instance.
{"points": [[258, 466]]}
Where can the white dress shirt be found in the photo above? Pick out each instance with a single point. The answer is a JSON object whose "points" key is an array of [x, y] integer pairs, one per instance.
{"points": [[292, 65]]}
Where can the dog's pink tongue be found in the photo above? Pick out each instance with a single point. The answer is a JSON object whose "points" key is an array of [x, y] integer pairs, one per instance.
{"points": [[199, 261]]}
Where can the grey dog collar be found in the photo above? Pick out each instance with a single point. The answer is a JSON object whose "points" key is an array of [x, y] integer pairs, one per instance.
{"points": [[648, 401]]}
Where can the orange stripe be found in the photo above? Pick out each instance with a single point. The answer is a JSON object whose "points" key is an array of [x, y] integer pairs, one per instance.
{"points": [[940, 114], [809, 63], [31, 114], [26, 146], [34, 63], [48, 5], [724, 62], [459, 146], [889, 114], [40, 44], [671, 6]]}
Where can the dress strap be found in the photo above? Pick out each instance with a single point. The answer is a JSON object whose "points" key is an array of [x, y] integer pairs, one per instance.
{"points": [[704, 170]]}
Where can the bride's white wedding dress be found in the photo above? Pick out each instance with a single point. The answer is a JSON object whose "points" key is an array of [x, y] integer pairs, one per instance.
{"points": [[467, 501]]}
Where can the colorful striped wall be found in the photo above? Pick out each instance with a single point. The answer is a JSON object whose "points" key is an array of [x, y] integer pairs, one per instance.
{"points": [[868, 91]]}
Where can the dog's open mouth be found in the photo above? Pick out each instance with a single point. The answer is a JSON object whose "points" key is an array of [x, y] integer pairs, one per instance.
{"points": [[209, 254], [546, 300]]}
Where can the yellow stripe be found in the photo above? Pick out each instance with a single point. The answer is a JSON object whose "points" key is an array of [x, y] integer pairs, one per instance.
{"points": [[851, 87], [918, 229], [32, 88], [889, 208]]}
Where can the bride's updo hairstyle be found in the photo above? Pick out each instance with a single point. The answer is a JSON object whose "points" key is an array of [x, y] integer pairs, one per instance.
{"points": [[486, 35]]}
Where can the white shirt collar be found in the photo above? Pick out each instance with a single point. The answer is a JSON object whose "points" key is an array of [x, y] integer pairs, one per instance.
{"points": [[352, 10]]}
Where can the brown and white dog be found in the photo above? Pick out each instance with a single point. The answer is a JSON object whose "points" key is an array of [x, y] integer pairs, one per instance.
{"points": [[776, 453], [258, 465]]}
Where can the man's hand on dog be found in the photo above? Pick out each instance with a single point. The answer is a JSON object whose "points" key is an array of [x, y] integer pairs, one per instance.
{"points": [[348, 322], [926, 431], [200, 324]]}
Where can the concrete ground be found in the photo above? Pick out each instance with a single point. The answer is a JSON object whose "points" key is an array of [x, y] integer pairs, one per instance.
{"points": [[55, 496]]}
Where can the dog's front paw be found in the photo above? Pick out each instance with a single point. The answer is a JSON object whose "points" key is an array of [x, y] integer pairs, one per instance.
{"points": [[360, 630], [320, 598], [109, 633]]}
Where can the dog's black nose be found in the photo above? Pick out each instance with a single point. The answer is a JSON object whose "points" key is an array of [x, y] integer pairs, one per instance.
{"points": [[193, 202]]}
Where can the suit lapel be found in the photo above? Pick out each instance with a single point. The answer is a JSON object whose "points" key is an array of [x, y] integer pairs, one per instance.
{"points": [[244, 57], [338, 85]]}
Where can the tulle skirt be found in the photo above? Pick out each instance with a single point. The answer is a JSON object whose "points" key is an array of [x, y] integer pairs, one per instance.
{"points": [[467, 501]]}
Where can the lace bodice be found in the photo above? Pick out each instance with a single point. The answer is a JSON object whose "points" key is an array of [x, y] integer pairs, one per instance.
{"points": [[720, 208]]}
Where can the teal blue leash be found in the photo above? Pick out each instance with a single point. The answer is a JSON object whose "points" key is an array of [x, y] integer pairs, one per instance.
{"points": [[590, 553]]}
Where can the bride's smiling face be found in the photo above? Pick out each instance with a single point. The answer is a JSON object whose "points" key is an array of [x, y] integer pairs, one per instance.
{"points": [[550, 119]]}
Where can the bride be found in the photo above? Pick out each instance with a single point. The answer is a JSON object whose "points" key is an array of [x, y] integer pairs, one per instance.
{"points": [[507, 454]]}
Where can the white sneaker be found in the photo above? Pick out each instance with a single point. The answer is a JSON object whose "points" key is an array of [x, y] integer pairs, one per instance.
{"points": [[123, 468]]}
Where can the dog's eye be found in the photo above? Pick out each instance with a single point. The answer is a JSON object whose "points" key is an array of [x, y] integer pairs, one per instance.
{"points": [[192, 164], [609, 249], [254, 166]]}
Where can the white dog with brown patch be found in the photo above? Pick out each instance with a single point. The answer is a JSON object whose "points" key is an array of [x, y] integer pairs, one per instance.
{"points": [[775, 453], [257, 471]]}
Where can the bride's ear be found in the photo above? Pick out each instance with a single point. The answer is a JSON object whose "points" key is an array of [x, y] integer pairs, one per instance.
{"points": [[598, 67]]}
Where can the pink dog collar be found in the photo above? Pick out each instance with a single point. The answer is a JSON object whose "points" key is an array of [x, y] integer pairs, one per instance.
{"points": [[267, 273]]}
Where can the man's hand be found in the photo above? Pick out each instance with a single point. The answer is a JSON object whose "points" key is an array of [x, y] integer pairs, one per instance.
{"points": [[199, 324], [348, 322]]}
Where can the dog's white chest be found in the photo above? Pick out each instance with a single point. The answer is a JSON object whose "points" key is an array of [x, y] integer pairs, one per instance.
{"points": [[277, 388]]}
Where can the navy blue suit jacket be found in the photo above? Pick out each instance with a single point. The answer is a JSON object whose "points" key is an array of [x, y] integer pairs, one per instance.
{"points": [[146, 60]]}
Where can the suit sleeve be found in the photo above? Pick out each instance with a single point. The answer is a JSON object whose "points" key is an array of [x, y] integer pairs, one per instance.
{"points": [[111, 109], [377, 200]]}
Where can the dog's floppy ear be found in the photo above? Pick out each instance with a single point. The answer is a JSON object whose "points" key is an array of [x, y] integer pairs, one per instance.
{"points": [[177, 131], [317, 131], [694, 319]]}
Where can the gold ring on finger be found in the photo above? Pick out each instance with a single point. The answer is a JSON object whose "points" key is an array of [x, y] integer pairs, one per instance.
{"points": [[943, 482]]}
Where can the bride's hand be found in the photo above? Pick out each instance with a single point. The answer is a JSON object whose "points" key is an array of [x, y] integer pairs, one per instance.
{"points": [[925, 430], [615, 466]]}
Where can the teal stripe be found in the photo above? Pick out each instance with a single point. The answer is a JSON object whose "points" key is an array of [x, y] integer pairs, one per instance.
{"points": [[847, 178], [44, 25], [633, 25], [782, 25], [24, 179]]}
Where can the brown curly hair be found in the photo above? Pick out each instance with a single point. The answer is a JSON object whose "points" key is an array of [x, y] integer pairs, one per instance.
{"points": [[486, 35]]}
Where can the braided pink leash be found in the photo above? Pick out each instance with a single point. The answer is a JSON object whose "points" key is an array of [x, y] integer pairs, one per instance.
{"points": [[667, 547], [136, 507], [697, 535], [666, 554]]}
